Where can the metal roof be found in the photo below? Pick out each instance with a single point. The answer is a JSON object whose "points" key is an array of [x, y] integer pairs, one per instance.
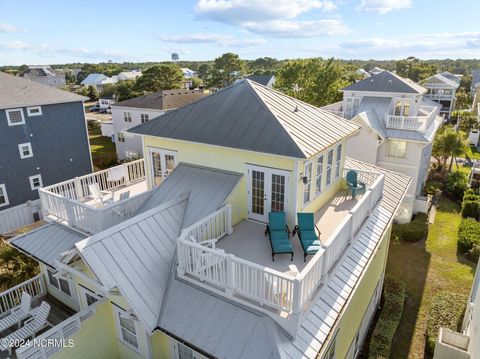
{"points": [[21, 92], [386, 81], [252, 117], [136, 257], [207, 189], [163, 100], [264, 80], [440, 78], [48, 242], [94, 79]]}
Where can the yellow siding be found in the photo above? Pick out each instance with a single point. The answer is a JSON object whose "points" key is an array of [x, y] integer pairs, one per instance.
{"points": [[353, 315], [161, 346], [96, 339]]}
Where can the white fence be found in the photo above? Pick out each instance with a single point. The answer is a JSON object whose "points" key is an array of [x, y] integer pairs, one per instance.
{"points": [[241, 278], [11, 298], [416, 123], [18, 216]]}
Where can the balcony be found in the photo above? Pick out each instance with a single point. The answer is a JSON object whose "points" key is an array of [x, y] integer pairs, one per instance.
{"points": [[412, 123], [440, 96], [236, 262], [451, 344], [72, 203]]}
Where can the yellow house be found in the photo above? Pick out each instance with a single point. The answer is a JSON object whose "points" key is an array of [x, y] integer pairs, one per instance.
{"points": [[179, 255]]}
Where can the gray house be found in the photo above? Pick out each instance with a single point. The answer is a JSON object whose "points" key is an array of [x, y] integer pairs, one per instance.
{"points": [[43, 138], [46, 75]]}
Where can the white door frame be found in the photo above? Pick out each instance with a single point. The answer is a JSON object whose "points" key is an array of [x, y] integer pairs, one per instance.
{"points": [[268, 172], [162, 152]]}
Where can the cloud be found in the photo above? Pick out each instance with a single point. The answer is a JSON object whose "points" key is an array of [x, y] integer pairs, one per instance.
{"points": [[273, 17], [383, 6], [4, 27], [212, 38], [81, 52], [14, 45]]}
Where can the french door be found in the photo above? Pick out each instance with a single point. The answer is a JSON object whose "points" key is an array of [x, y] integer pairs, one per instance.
{"points": [[267, 192], [162, 162]]}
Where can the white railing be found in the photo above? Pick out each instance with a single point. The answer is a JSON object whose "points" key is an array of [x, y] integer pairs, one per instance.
{"points": [[59, 333], [414, 123], [11, 298], [237, 277]]}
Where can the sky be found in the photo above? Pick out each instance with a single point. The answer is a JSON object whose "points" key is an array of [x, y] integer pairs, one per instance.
{"points": [[56, 32]]}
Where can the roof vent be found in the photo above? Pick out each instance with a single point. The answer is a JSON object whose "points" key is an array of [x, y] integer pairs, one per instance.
{"points": [[296, 108], [371, 80], [390, 81]]}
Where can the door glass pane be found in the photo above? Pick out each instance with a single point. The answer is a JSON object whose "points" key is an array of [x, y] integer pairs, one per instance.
{"points": [[184, 352], [278, 193], [258, 192], [169, 164], [156, 168]]}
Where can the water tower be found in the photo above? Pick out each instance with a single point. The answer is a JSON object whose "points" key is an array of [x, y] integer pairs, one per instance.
{"points": [[175, 56]]}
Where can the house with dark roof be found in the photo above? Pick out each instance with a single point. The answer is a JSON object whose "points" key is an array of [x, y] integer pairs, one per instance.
{"points": [[398, 123], [265, 80], [43, 138], [46, 75], [174, 258], [135, 111]]}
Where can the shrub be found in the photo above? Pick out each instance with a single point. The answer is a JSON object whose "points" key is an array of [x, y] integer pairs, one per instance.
{"points": [[471, 204], [468, 235], [388, 320], [457, 183], [445, 310], [414, 231]]}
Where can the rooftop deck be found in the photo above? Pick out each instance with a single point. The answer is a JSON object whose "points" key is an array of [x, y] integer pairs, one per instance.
{"points": [[249, 242]]}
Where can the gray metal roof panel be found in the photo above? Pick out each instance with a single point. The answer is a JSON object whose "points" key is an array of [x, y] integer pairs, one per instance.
{"points": [[163, 100], [386, 81], [47, 242], [207, 190], [21, 92], [261, 79], [252, 117]]}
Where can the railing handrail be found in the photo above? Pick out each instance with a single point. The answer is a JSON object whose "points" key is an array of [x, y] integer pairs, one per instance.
{"points": [[203, 220], [18, 286]]}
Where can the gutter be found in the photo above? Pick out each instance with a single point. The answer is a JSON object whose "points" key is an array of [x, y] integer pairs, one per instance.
{"points": [[180, 340]]}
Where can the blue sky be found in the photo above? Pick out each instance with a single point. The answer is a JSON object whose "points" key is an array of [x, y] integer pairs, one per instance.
{"points": [[47, 32]]}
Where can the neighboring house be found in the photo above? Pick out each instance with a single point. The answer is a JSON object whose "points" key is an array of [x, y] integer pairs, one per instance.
{"points": [[453, 77], [475, 82], [363, 73], [265, 80], [135, 111], [183, 269], [376, 70], [43, 138], [442, 90], [93, 80], [129, 75], [466, 344], [187, 73], [46, 75], [398, 126]]}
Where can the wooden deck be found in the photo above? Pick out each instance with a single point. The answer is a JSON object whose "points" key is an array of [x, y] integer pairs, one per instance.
{"points": [[249, 242]]}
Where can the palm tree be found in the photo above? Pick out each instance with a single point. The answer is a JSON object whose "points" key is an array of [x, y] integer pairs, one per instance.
{"points": [[448, 143], [15, 267]]}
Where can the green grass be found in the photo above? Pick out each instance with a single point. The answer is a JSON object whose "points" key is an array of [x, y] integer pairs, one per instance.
{"points": [[427, 267], [473, 153], [461, 168], [102, 148]]}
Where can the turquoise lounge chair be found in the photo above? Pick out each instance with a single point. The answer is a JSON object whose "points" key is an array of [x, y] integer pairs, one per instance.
{"points": [[354, 185], [305, 230], [278, 234]]}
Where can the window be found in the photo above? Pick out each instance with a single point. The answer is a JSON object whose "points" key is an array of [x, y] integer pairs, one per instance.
{"points": [[330, 353], [397, 149], [329, 167], [184, 352], [318, 180], [34, 111], [121, 137], [3, 196], [307, 184], [35, 182], [15, 117], [338, 161], [351, 106], [402, 108], [90, 299], [62, 284], [127, 116], [144, 117], [128, 333], [25, 150]]}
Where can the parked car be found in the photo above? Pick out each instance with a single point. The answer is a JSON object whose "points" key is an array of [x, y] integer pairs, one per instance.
{"points": [[94, 108]]}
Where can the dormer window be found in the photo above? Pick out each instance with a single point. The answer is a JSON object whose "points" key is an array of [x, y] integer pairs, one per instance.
{"points": [[402, 108]]}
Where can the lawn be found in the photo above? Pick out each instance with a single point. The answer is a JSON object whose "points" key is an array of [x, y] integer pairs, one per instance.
{"points": [[473, 153], [427, 267], [103, 150]]}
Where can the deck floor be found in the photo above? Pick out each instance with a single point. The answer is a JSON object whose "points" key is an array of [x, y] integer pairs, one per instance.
{"points": [[133, 189], [249, 242]]}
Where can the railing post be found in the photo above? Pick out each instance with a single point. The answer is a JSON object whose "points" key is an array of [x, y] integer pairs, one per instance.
{"points": [[324, 275], [229, 219], [230, 277], [78, 188], [297, 296], [127, 179]]}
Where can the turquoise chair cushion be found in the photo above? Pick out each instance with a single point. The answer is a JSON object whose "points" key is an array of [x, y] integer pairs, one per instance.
{"points": [[313, 248], [306, 222], [277, 221], [309, 235], [279, 235]]}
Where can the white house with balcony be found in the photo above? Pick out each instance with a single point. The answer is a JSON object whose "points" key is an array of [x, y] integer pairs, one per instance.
{"points": [[169, 256], [443, 90], [398, 123]]}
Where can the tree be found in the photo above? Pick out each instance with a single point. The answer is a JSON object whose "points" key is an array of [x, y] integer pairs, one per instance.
{"points": [[203, 71], [16, 267], [448, 143], [160, 77], [226, 69], [316, 81], [415, 69], [126, 90], [108, 91], [196, 82], [462, 100], [467, 121], [92, 93]]}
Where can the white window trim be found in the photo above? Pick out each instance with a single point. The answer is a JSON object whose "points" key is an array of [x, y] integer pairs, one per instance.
{"points": [[308, 184], [31, 178], [117, 311], [127, 115], [30, 114], [338, 161], [318, 191], [69, 281], [144, 117], [84, 292], [15, 110], [4, 191], [331, 345], [29, 145], [175, 350], [396, 153], [331, 168]]}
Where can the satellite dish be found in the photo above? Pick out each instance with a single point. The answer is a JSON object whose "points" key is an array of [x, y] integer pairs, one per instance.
{"points": [[175, 56]]}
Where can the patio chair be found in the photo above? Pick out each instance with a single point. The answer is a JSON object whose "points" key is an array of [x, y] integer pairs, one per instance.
{"points": [[354, 185], [278, 234], [19, 313], [305, 229], [102, 196], [30, 328]]}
